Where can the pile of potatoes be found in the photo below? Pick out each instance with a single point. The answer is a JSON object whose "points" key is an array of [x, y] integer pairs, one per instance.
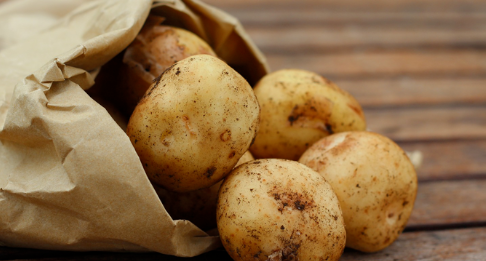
{"points": [[319, 180]]}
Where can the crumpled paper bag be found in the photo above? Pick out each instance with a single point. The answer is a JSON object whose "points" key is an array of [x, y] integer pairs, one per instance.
{"points": [[69, 176]]}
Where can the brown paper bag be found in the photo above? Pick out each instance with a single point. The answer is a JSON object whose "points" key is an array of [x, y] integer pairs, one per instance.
{"points": [[69, 176]]}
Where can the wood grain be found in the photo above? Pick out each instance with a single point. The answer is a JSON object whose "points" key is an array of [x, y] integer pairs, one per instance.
{"points": [[449, 203], [317, 26], [300, 17], [459, 244], [355, 5], [349, 37], [440, 63], [428, 123], [407, 91], [450, 160]]}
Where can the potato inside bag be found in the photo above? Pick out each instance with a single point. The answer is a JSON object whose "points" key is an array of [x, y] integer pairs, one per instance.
{"points": [[69, 177]]}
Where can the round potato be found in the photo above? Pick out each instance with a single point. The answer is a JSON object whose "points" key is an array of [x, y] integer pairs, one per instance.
{"points": [[155, 49], [275, 209], [194, 123], [297, 109], [374, 180], [197, 206]]}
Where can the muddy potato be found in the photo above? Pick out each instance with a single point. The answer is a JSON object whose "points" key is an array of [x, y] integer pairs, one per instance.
{"points": [[297, 109], [275, 209], [374, 180], [194, 123], [154, 50], [197, 206]]}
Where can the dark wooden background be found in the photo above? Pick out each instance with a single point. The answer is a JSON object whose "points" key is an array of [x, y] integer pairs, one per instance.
{"points": [[419, 70]]}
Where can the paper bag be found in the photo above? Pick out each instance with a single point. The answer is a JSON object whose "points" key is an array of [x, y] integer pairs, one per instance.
{"points": [[69, 176]]}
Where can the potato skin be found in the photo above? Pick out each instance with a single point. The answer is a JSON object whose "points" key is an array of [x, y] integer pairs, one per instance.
{"points": [[374, 180], [156, 48], [197, 206], [194, 123], [275, 209], [297, 109]]}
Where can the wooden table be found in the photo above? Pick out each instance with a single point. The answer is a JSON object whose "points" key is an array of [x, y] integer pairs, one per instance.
{"points": [[419, 70]]}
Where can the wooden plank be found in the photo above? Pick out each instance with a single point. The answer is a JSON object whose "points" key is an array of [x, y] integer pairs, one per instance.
{"points": [[449, 203], [369, 65], [460, 244], [298, 17], [355, 5], [347, 38], [450, 160], [415, 91], [428, 123]]}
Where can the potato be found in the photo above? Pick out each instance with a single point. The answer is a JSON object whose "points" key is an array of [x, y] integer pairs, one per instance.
{"points": [[299, 108], [154, 50], [275, 209], [198, 206], [374, 180], [194, 123]]}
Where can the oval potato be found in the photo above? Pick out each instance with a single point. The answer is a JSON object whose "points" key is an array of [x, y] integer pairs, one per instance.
{"points": [[297, 109], [194, 123], [274, 209], [374, 180]]}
